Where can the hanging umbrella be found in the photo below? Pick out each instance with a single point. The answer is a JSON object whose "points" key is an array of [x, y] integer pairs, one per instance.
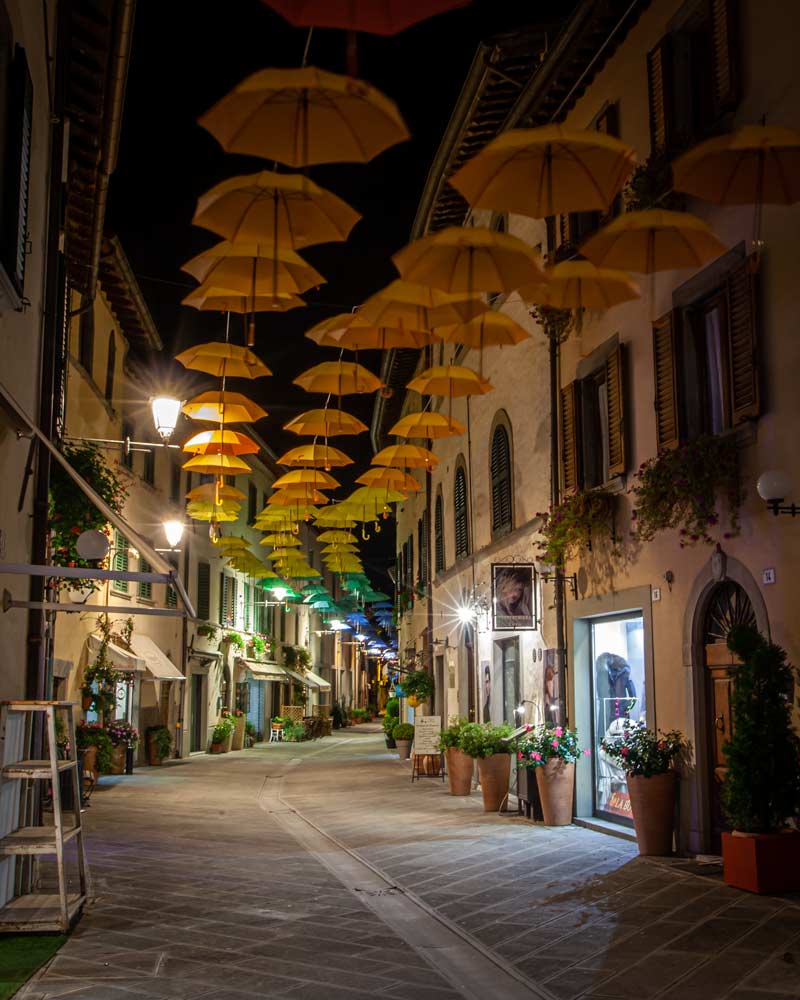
{"points": [[459, 259], [281, 539], [378, 17], [655, 240], [223, 408], [310, 477], [427, 425], [210, 492], [284, 553], [228, 510], [546, 171], [253, 268], [282, 210], [211, 298], [410, 305], [336, 535], [305, 116], [228, 465], [223, 360], [339, 378], [229, 542], [341, 547], [396, 479], [351, 332], [325, 423], [335, 516], [221, 442], [318, 456], [451, 381], [292, 496], [406, 456], [492, 329], [579, 284], [366, 499]]}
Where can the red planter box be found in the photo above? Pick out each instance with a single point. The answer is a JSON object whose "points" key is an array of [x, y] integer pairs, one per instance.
{"points": [[763, 863]]}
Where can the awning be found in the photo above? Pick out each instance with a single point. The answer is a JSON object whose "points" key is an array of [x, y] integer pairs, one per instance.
{"points": [[310, 680], [121, 659], [159, 665], [61, 668], [321, 683], [299, 678], [264, 671]]}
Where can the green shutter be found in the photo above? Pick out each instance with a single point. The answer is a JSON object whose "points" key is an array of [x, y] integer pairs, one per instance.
{"points": [[145, 589], [120, 562]]}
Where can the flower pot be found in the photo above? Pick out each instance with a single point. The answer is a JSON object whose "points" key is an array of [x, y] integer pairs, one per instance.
{"points": [[90, 762], [653, 807], [390, 743], [79, 595], [404, 748], [153, 758], [86, 702], [216, 748], [118, 760], [460, 768], [237, 740], [413, 701], [205, 644], [762, 862], [228, 743], [493, 774], [556, 781]]}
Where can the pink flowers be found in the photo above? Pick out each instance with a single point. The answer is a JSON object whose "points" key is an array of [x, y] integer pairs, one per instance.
{"points": [[520, 755], [662, 745], [535, 755], [555, 744], [624, 751], [587, 752], [559, 731]]}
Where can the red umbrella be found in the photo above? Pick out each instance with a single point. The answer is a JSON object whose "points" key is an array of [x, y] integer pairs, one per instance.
{"points": [[378, 17]]}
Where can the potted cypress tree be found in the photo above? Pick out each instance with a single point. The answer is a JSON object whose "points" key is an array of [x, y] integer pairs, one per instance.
{"points": [[762, 784], [460, 765], [490, 747]]}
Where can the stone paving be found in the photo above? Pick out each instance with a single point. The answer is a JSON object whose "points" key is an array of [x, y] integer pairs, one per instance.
{"points": [[203, 893]]}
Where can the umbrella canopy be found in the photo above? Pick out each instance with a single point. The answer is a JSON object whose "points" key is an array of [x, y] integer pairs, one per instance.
{"points": [[284, 553], [395, 479], [427, 425], [212, 491], [281, 539], [305, 116], [371, 497], [450, 381], [351, 332], [655, 240], [228, 465], [325, 423], [406, 456], [339, 547], [546, 171], [306, 477], [221, 442], [223, 408], [338, 378], [210, 512], [318, 456], [254, 268], [228, 542], [336, 535], [378, 17], [579, 284], [491, 329], [223, 360], [210, 298], [411, 305], [282, 210], [289, 496], [335, 516]]}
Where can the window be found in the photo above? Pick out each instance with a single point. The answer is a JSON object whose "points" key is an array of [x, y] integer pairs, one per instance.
{"points": [[203, 591], [145, 589], [500, 471], [252, 502], [206, 477], [248, 605], [86, 336], [438, 534], [16, 119], [110, 365], [149, 467], [591, 417], [227, 601], [120, 562], [174, 482], [422, 549], [460, 513], [171, 597]]}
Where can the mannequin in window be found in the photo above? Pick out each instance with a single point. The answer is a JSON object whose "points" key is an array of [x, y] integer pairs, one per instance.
{"points": [[487, 694], [615, 692]]}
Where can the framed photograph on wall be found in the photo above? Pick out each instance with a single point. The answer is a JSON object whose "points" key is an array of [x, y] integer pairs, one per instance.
{"points": [[513, 596]]}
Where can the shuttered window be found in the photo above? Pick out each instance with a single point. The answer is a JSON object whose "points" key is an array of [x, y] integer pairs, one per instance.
{"points": [[615, 412], [15, 140], [666, 398], [227, 600], [422, 569], [171, 597], [569, 438], [501, 481], [438, 535], [86, 336], [724, 64], [149, 468], [461, 513], [742, 357], [174, 482], [248, 606], [120, 562], [659, 89], [145, 589], [203, 591]]}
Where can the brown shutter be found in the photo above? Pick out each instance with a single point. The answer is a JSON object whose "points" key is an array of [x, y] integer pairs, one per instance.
{"points": [[550, 229], [724, 55], [608, 120], [659, 87], [742, 360], [666, 400], [569, 437], [615, 405], [566, 228]]}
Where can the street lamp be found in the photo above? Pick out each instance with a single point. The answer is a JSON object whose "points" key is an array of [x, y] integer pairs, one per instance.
{"points": [[772, 487], [166, 411], [173, 531]]}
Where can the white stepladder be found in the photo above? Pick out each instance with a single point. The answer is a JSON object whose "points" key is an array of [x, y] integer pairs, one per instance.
{"points": [[46, 911]]}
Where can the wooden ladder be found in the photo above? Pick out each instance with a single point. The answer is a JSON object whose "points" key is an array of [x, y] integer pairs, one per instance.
{"points": [[45, 911]]}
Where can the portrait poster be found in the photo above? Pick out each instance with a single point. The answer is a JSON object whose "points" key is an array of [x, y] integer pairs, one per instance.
{"points": [[513, 596]]}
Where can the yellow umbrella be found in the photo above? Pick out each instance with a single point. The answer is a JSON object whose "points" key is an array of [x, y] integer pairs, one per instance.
{"points": [[450, 381], [223, 360], [339, 378], [288, 496], [546, 171], [318, 456], [579, 284], [459, 259], [336, 535], [228, 542], [414, 306], [370, 496], [426, 424], [335, 516], [492, 329], [282, 539], [209, 297], [228, 465], [655, 240], [223, 408], [339, 549], [396, 479], [305, 116], [253, 268], [284, 553], [284, 210], [210, 491], [221, 442], [210, 512], [351, 332], [325, 423], [406, 456], [306, 477]]}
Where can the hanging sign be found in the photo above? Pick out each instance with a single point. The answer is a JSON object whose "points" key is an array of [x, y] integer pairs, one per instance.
{"points": [[427, 730]]}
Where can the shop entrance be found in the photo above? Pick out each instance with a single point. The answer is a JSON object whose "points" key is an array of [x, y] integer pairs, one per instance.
{"points": [[507, 670]]}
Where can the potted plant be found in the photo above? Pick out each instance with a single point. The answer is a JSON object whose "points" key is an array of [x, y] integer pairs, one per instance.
{"points": [[293, 731], [205, 638], [122, 736], [460, 766], [648, 760], [221, 734], [762, 785], [403, 736], [234, 639], [237, 737], [390, 719], [552, 751], [159, 744], [258, 646], [95, 744], [489, 745], [250, 734], [418, 687]]}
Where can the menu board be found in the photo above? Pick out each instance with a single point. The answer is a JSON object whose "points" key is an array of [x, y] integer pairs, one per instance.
{"points": [[427, 730]]}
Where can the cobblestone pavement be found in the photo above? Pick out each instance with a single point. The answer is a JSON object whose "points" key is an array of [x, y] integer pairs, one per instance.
{"points": [[203, 891]]}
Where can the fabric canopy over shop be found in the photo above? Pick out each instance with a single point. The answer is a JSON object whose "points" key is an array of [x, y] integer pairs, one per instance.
{"points": [[158, 664], [264, 671], [299, 678], [121, 659], [320, 682]]}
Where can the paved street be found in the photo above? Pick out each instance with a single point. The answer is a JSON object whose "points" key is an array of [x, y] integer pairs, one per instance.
{"points": [[318, 870]]}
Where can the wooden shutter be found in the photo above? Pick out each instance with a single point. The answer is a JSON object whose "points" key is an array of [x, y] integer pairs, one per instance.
{"points": [[120, 561], [14, 231], [566, 228], [501, 480], [724, 55], [666, 382], [230, 599], [742, 358], [461, 513], [222, 598], [659, 89], [438, 535], [145, 589], [615, 406], [171, 597], [608, 120], [203, 591], [568, 420]]}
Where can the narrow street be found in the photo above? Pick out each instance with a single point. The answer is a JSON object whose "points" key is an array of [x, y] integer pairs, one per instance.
{"points": [[318, 870]]}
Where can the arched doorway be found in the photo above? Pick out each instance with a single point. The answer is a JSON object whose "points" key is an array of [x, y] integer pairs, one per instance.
{"points": [[727, 605]]}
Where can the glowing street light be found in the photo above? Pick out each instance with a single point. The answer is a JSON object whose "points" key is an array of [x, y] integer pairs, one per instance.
{"points": [[166, 411], [173, 531]]}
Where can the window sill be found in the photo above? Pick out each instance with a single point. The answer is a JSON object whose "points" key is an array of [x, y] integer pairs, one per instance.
{"points": [[120, 593]]}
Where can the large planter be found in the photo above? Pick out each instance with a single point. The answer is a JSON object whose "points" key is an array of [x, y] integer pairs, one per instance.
{"points": [[227, 743], [217, 748], [205, 644], [90, 762], [390, 743], [493, 773], [153, 758], [556, 781], [237, 739], [762, 862], [653, 807], [404, 748], [460, 768], [118, 760]]}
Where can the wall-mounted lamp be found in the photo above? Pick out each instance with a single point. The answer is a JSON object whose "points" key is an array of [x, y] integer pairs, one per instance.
{"points": [[166, 411], [570, 579], [772, 487], [173, 531]]}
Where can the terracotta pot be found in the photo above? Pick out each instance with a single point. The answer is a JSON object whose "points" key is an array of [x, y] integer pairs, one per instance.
{"points": [[226, 746], [404, 748], [460, 768], [493, 773], [556, 781], [86, 702], [216, 748], [153, 758], [237, 739], [762, 862], [90, 762], [653, 807], [118, 760]]}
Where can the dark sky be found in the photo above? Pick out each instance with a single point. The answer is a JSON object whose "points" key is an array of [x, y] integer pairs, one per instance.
{"points": [[189, 53]]}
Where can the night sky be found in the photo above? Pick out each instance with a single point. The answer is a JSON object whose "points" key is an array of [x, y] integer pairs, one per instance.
{"points": [[188, 54]]}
